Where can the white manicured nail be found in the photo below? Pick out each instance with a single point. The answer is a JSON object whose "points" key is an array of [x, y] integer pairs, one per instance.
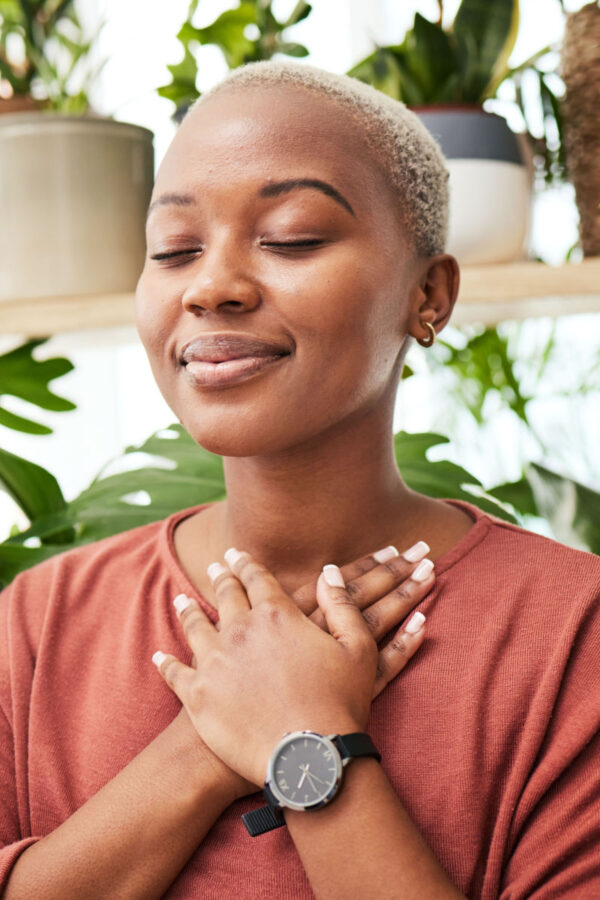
{"points": [[158, 658], [333, 576], [416, 552], [181, 602], [232, 556], [423, 570], [386, 554], [415, 624], [215, 569]]}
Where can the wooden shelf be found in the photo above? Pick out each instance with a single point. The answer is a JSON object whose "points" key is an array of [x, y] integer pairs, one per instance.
{"points": [[488, 294]]}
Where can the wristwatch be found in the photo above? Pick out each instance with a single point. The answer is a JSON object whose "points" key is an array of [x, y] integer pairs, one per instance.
{"points": [[305, 773]]}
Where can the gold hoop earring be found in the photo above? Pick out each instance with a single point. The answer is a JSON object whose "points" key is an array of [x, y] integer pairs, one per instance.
{"points": [[430, 340]]}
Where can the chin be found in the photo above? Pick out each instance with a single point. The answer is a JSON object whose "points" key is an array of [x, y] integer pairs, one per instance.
{"points": [[237, 439]]}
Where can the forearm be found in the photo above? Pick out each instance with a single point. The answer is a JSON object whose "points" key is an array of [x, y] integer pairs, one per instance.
{"points": [[134, 836], [365, 845]]}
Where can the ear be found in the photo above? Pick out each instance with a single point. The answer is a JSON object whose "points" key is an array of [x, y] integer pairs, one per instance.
{"points": [[434, 294]]}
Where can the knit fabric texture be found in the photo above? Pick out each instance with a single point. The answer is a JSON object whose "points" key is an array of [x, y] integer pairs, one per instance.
{"points": [[490, 736]]}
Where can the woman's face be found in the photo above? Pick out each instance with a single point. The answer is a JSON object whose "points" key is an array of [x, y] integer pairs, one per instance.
{"points": [[272, 303]]}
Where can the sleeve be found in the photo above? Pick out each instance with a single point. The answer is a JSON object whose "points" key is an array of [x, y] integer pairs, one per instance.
{"points": [[12, 841], [555, 846]]}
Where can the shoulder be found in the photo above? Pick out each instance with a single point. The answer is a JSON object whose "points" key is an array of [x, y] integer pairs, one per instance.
{"points": [[518, 554], [91, 573], [507, 576]]}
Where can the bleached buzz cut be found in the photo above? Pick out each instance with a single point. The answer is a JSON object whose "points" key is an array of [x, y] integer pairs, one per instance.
{"points": [[409, 155]]}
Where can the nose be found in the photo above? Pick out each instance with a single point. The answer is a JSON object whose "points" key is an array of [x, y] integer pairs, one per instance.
{"points": [[221, 281]]}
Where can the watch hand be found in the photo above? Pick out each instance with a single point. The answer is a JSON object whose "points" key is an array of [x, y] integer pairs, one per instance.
{"points": [[304, 774], [316, 778]]}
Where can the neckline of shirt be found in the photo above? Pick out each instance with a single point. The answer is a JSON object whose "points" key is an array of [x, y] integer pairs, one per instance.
{"points": [[482, 523]]}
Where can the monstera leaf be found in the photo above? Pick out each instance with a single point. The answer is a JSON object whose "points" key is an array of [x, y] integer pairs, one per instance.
{"points": [[23, 376]]}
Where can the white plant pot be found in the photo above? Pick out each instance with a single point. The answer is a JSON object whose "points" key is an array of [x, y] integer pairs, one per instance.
{"points": [[73, 197], [490, 185], [490, 203]]}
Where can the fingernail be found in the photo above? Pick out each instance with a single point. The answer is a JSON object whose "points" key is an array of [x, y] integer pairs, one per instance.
{"points": [[423, 570], [181, 602], [416, 552], [214, 570], [158, 658], [386, 554], [333, 576], [415, 624], [232, 555]]}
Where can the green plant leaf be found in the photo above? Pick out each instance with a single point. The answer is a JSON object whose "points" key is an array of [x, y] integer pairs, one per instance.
{"points": [[485, 365], [25, 377], [227, 32], [429, 56], [485, 33], [298, 14], [441, 478], [34, 489], [519, 494], [296, 50], [571, 508], [382, 70], [182, 89]]}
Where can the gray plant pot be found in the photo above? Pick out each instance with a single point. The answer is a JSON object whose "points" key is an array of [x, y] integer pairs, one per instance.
{"points": [[73, 198], [491, 176]]}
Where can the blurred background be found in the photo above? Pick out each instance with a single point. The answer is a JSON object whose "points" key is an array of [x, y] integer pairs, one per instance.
{"points": [[505, 394]]}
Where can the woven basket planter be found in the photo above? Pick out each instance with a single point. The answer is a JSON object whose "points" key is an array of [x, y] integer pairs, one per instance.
{"points": [[581, 110]]}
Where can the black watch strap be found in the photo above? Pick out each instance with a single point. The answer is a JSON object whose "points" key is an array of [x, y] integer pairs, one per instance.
{"points": [[266, 818], [355, 745]]}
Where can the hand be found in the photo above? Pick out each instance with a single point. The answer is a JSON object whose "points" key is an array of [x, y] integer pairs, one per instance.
{"points": [[269, 669], [383, 587]]}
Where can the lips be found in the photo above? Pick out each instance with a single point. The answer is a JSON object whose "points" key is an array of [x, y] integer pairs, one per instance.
{"points": [[221, 360]]}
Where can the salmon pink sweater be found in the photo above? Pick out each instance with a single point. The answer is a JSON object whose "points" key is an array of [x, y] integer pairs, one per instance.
{"points": [[490, 737]]}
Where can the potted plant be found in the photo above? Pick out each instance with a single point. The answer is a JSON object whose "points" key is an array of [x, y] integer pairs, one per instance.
{"points": [[445, 74], [74, 186]]}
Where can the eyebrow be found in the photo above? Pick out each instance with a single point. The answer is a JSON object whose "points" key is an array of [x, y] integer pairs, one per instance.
{"points": [[173, 200], [273, 189], [277, 188]]}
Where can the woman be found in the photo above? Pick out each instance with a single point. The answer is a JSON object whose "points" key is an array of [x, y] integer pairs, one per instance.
{"points": [[295, 245]]}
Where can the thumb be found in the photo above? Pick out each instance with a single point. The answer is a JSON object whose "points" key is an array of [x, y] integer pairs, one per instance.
{"points": [[343, 617]]}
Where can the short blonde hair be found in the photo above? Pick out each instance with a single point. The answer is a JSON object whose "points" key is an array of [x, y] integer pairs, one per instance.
{"points": [[408, 154]]}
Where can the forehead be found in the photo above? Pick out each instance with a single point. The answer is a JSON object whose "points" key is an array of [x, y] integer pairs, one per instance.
{"points": [[269, 132]]}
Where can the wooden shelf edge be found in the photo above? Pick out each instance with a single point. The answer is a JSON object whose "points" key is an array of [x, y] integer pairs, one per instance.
{"points": [[43, 316], [488, 294]]}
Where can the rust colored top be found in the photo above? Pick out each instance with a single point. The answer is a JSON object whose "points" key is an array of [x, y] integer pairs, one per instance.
{"points": [[490, 737]]}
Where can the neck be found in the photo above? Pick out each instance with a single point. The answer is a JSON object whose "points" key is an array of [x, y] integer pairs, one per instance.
{"points": [[331, 500]]}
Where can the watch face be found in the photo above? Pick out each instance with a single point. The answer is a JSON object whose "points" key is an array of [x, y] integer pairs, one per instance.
{"points": [[305, 770]]}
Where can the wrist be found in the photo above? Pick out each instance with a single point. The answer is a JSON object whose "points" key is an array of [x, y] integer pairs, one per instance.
{"points": [[200, 770]]}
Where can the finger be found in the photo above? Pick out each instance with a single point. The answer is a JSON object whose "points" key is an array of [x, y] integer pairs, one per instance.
{"points": [[343, 617], [396, 654], [260, 585], [305, 596], [230, 594], [374, 584], [387, 613], [177, 676], [391, 569], [199, 631]]}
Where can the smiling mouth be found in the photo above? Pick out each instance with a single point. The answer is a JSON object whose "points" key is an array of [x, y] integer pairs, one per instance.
{"points": [[224, 360]]}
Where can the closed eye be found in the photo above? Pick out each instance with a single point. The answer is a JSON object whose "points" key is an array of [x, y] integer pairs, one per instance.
{"points": [[306, 244], [176, 253]]}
